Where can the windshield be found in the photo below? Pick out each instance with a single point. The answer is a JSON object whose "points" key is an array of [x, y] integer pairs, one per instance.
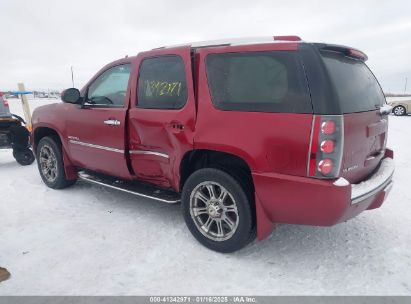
{"points": [[355, 85]]}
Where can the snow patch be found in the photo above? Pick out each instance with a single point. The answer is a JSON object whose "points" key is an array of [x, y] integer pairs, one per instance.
{"points": [[341, 182]]}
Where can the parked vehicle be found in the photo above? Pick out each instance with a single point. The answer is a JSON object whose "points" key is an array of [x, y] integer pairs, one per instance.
{"points": [[400, 107], [4, 107], [13, 134], [246, 135]]}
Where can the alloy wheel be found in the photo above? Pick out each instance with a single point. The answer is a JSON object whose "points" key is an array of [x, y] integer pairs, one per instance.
{"points": [[214, 211], [48, 163]]}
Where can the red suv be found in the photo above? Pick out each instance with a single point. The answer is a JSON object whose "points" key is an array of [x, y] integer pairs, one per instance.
{"points": [[245, 134]]}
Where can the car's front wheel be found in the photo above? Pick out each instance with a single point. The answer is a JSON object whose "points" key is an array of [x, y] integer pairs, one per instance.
{"points": [[50, 164], [218, 211], [399, 111]]}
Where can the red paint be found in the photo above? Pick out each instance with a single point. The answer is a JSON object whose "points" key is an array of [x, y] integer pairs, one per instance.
{"points": [[357, 54], [275, 146], [287, 38], [166, 131], [360, 143]]}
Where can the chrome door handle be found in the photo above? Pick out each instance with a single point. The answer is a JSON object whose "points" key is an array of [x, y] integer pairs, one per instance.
{"points": [[112, 122]]}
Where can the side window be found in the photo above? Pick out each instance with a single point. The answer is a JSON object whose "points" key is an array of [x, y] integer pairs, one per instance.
{"points": [[258, 82], [162, 83], [110, 87]]}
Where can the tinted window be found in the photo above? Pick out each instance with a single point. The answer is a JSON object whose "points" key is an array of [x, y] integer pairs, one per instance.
{"points": [[110, 87], [258, 81], [356, 87], [162, 83]]}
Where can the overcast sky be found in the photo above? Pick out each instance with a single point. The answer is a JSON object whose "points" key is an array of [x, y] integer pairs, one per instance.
{"points": [[40, 40]]}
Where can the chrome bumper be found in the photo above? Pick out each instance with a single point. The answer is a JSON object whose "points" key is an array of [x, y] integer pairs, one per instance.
{"points": [[380, 180]]}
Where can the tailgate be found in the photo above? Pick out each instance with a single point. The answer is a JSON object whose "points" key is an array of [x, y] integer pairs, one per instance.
{"points": [[361, 101], [365, 136]]}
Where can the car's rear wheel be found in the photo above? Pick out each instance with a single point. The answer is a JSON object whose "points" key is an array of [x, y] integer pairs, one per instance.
{"points": [[399, 111], [51, 165], [217, 210]]}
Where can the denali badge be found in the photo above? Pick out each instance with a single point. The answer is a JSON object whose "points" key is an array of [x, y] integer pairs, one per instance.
{"points": [[73, 137], [350, 168]]}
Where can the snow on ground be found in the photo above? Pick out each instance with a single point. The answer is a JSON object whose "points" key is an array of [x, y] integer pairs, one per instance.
{"points": [[88, 240]]}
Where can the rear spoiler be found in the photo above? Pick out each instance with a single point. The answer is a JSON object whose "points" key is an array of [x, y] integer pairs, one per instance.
{"points": [[347, 51]]}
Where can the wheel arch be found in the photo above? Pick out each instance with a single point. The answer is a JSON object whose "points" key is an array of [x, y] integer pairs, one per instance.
{"points": [[41, 132], [192, 161], [46, 131], [196, 159]]}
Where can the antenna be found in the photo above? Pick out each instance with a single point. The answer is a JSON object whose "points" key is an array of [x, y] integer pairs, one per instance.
{"points": [[72, 76]]}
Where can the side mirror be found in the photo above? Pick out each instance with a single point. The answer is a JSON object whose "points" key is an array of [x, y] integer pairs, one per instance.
{"points": [[71, 95]]}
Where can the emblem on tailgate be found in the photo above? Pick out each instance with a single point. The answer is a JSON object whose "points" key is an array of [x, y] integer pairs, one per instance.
{"points": [[345, 170]]}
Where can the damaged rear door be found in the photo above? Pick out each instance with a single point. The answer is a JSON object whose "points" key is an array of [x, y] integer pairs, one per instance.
{"points": [[162, 115]]}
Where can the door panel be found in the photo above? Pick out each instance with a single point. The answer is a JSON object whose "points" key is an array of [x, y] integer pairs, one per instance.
{"points": [[159, 137], [96, 145], [96, 131]]}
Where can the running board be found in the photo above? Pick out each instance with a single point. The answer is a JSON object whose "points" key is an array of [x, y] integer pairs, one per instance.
{"points": [[133, 187]]}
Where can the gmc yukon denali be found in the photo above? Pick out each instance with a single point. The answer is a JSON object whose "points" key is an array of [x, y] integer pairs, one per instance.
{"points": [[246, 134]]}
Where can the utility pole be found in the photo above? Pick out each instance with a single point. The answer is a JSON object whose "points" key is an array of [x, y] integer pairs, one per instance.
{"points": [[25, 103], [72, 76]]}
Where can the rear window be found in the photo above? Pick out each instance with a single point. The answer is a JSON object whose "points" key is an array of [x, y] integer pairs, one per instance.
{"points": [[258, 82], [356, 86]]}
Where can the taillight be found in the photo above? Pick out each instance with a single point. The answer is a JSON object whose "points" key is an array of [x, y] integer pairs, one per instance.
{"points": [[325, 166], [328, 127], [326, 146], [6, 103]]}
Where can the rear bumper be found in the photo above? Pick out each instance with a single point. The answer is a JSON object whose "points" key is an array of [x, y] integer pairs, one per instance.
{"points": [[379, 181], [307, 201]]}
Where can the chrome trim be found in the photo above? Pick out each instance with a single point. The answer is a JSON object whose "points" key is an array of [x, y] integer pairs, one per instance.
{"points": [[309, 147], [146, 152], [76, 142], [386, 187], [87, 178], [112, 122], [380, 180]]}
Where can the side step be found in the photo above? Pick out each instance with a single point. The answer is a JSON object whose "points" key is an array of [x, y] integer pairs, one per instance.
{"points": [[133, 187]]}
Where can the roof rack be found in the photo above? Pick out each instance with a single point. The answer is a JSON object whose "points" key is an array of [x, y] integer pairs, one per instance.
{"points": [[237, 41]]}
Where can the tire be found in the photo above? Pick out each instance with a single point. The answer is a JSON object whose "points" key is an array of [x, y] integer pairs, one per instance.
{"points": [[223, 225], [50, 164], [399, 111], [24, 157]]}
